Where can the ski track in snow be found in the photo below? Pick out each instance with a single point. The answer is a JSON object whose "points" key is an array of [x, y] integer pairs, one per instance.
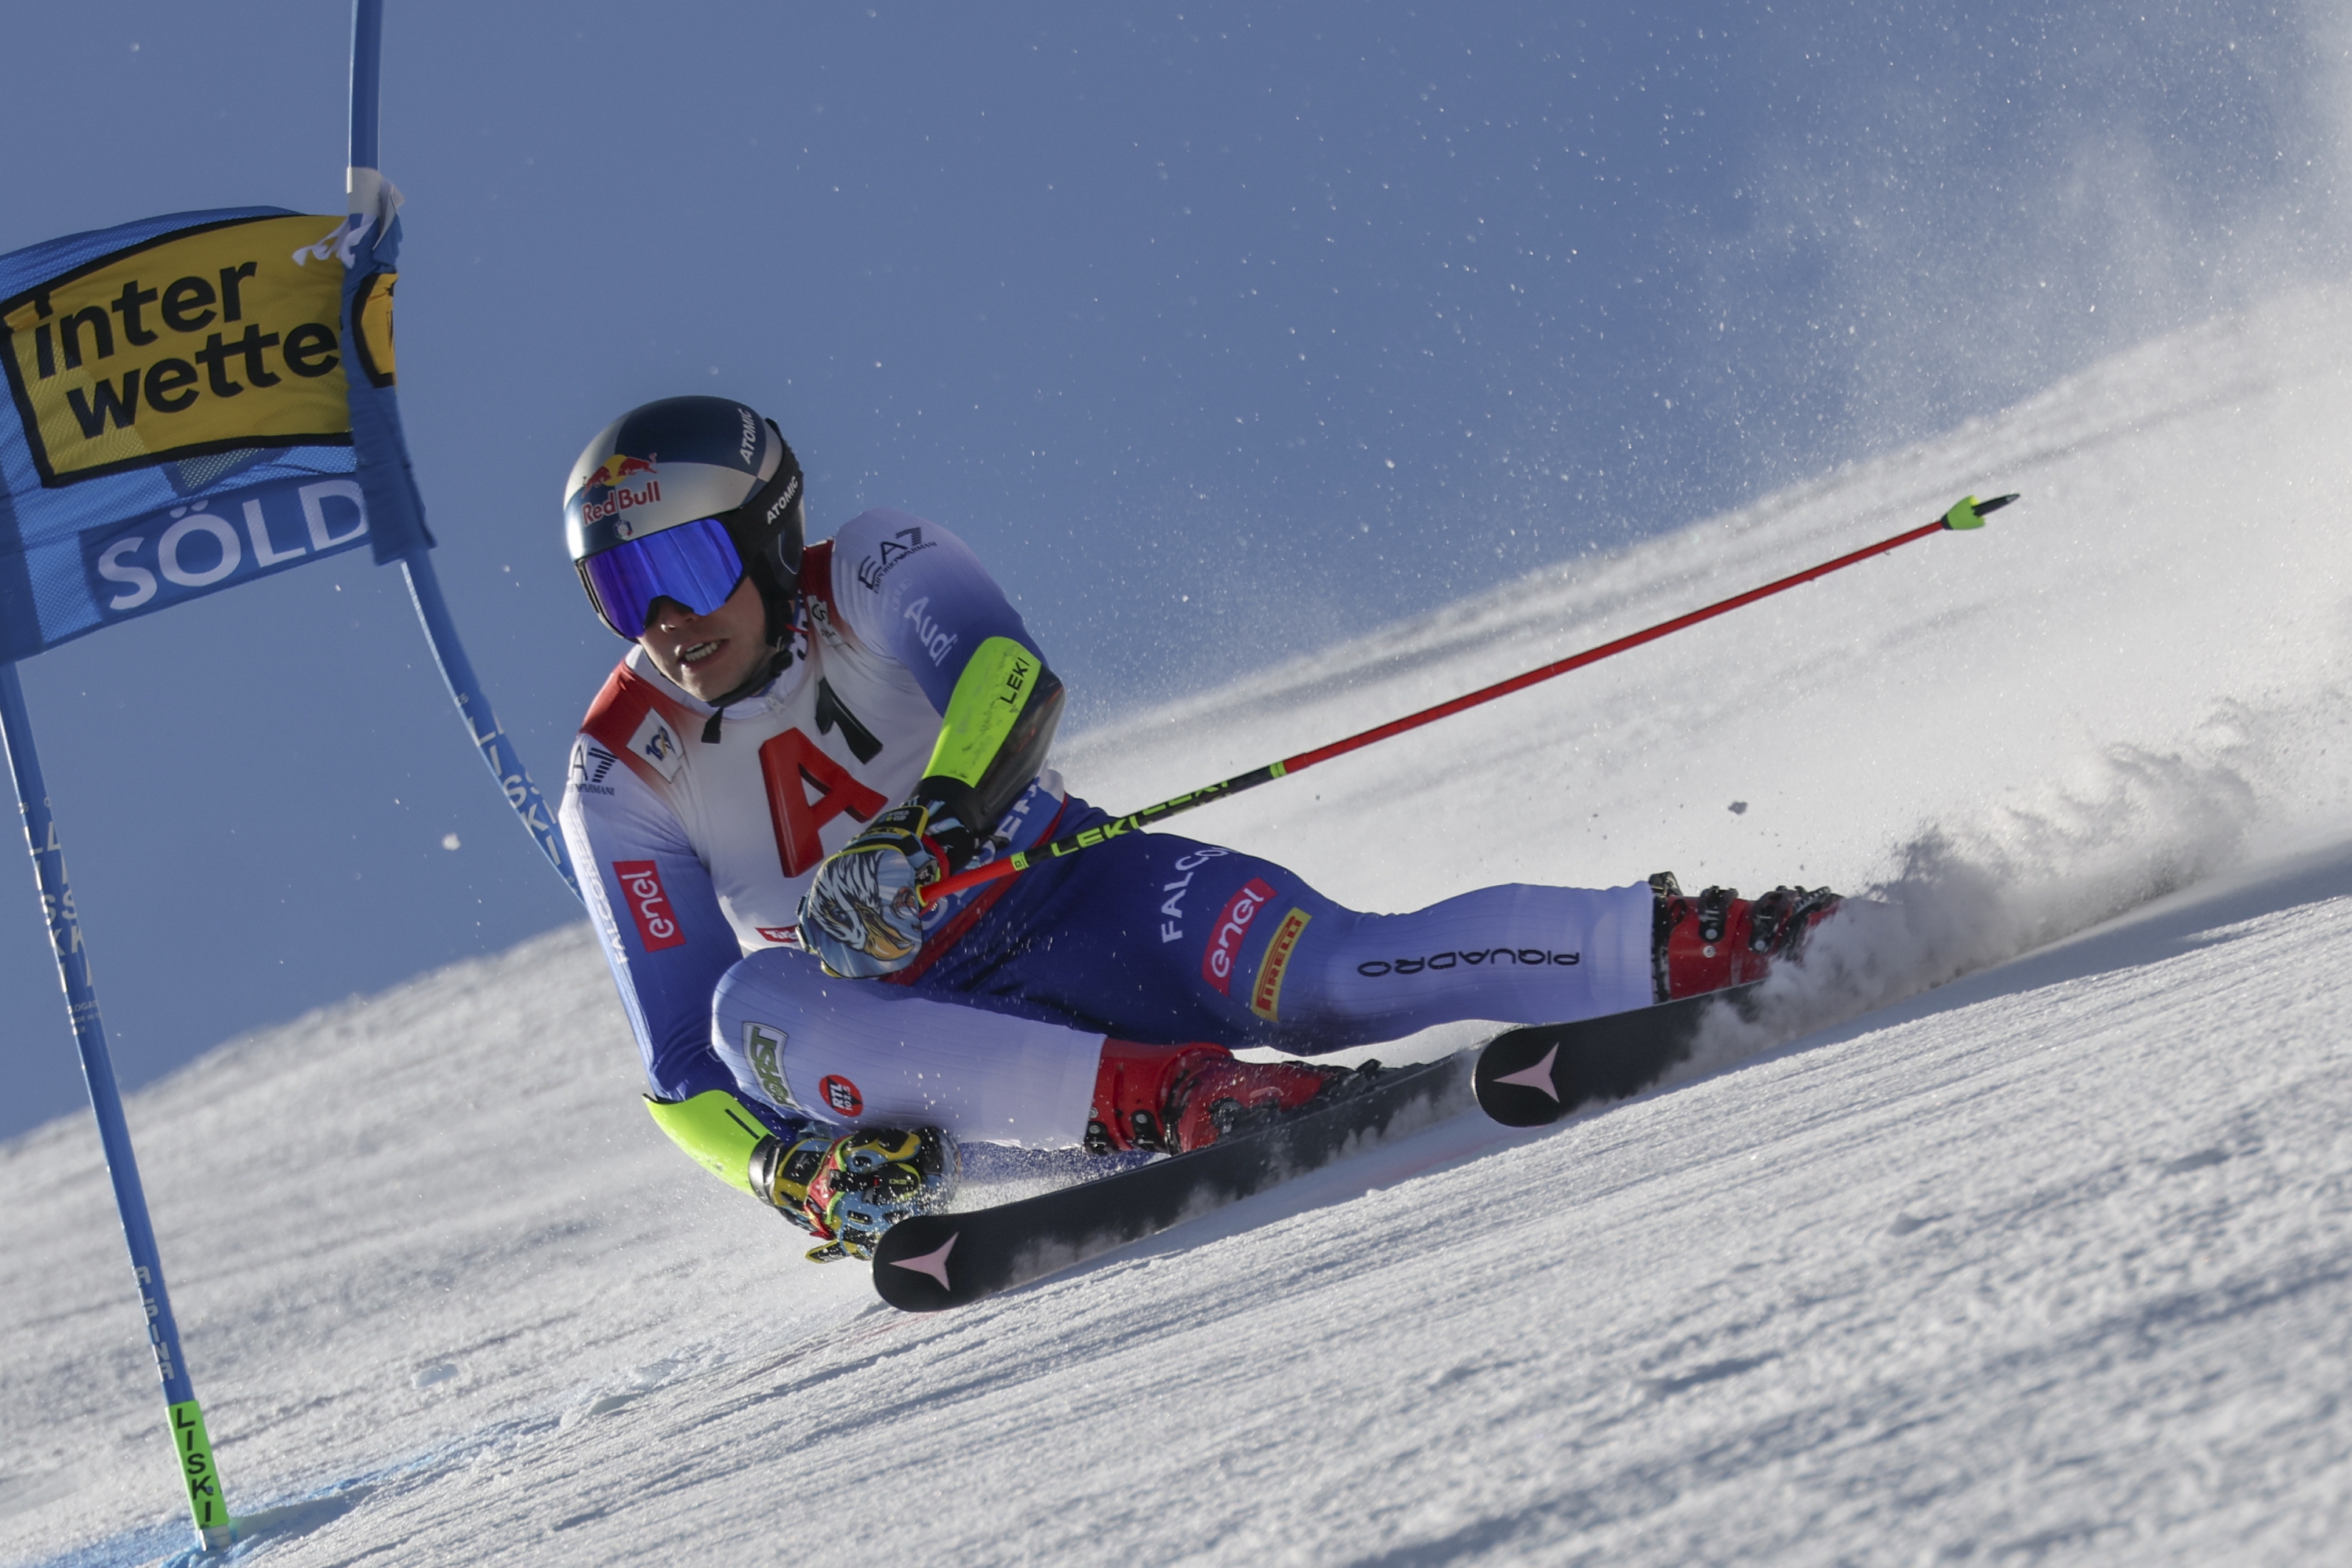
{"points": [[2047, 1264]]}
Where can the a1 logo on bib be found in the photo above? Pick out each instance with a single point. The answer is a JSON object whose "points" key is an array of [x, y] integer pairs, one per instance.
{"points": [[840, 1094]]}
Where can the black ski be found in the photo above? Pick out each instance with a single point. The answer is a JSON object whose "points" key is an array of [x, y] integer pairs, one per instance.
{"points": [[1535, 1076], [933, 1261]]}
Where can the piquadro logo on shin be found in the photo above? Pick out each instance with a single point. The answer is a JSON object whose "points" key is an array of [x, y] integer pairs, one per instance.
{"points": [[1516, 957], [641, 887], [1217, 960]]}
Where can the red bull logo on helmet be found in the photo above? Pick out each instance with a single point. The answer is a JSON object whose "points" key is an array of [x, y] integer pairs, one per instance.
{"points": [[619, 467], [611, 477]]}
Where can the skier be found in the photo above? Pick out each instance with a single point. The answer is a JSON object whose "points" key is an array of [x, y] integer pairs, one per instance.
{"points": [[802, 737]]}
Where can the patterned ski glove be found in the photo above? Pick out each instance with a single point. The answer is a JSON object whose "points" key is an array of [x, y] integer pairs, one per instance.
{"points": [[847, 1190], [863, 914]]}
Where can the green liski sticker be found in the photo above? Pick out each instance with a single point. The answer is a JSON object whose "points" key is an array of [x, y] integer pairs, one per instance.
{"points": [[206, 1501], [1964, 514]]}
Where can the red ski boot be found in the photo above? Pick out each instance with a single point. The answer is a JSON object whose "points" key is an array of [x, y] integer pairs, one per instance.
{"points": [[1720, 939], [1174, 1098]]}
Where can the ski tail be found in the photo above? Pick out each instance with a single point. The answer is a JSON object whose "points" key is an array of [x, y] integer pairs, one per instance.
{"points": [[1535, 1076]]}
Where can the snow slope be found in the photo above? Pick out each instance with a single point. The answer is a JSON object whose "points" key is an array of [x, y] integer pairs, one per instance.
{"points": [[2051, 1263]]}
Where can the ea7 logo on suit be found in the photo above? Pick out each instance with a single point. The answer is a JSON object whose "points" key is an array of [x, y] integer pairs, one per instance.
{"points": [[874, 568]]}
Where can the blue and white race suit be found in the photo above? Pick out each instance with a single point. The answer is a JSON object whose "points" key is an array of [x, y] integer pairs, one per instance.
{"points": [[695, 852]]}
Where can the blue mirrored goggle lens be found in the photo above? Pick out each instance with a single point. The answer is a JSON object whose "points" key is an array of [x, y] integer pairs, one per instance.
{"points": [[694, 563]]}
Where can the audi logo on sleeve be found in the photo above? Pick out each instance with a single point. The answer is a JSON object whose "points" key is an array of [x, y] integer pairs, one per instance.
{"points": [[641, 888]]}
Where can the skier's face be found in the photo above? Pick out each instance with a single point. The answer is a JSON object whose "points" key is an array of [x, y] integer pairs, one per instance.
{"points": [[711, 655]]}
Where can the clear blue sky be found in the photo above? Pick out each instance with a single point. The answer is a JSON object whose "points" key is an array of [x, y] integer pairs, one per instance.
{"points": [[1220, 330]]}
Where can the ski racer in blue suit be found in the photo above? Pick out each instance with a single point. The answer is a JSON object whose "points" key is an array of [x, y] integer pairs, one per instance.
{"points": [[804, 736]]}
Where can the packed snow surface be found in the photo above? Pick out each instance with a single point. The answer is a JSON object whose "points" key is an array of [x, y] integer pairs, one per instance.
{"points": [[2044, 1253]]}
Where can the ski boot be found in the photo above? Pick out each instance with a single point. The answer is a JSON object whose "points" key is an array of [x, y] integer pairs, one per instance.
{"points": [[1170, 1099], [1720, 939]]}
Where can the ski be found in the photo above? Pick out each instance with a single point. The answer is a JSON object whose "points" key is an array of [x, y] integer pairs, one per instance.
{"points": [[1527, 1076], [934, 1261], [1535, 1076]]}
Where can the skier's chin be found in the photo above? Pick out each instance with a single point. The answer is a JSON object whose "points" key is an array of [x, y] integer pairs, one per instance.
{"points": [[708, 676]]}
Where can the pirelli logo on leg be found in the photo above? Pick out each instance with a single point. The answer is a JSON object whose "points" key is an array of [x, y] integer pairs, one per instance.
{"points": [[1266, 997], [214, 339]]}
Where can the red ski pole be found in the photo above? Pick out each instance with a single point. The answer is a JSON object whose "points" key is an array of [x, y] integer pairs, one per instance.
{"points": [[1966, 514]]}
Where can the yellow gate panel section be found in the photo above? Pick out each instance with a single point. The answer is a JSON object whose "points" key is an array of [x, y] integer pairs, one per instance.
{"points": [[374, 315], [204, 340]]}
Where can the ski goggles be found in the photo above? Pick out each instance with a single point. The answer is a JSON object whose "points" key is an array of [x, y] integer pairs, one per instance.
{"points": [[694, 564]]}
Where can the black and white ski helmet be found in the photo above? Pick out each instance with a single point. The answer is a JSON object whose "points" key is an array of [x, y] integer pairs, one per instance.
{"points": [[680, 459]]}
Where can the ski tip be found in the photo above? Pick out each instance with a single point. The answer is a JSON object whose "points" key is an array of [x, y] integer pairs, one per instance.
{"points": [[1970, 512]]}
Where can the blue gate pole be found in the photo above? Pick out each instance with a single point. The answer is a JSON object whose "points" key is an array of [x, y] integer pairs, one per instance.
{"points": [[363, 180], [499, 752], [367, 72], [206, 1501]]}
